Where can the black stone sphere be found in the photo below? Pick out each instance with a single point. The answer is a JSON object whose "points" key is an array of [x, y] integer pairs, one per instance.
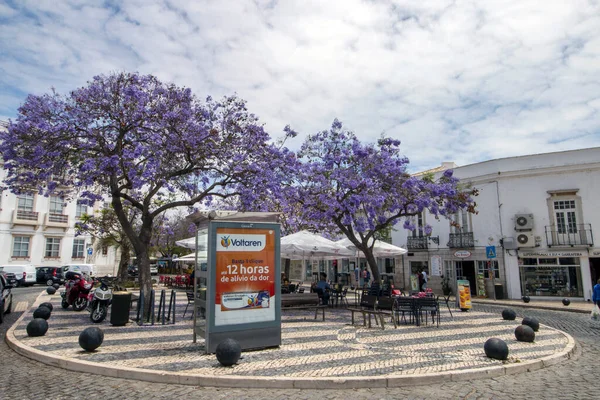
{"points": [[37, 327], [47, 304], [509, 315], [524, 333], [228, 352], [42, 312], [51, 290], [566, 302], [56, 286], [526, 299], [496, 348], [91, 338], [532, 322]]}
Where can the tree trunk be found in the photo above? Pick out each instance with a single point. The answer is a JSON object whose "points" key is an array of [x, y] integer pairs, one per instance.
{"points": [[373, 264]]}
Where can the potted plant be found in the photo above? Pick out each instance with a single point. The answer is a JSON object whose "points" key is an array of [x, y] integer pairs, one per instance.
{"points": [[446, 289]]}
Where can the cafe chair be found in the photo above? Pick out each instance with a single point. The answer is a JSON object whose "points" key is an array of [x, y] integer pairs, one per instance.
{"points": [[190, 299]]}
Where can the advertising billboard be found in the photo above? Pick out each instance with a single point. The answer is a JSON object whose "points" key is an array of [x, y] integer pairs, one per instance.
{"points": [[245, 276]]}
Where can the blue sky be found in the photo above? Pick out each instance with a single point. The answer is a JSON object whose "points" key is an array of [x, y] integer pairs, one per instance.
{"points": [[462, 81]]}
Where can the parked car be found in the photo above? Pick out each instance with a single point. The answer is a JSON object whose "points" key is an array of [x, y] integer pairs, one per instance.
{"points": [[132, 270], [25, 273], [11, 279], [6, 297], [153, 269], [50, 275], [88, 270]]}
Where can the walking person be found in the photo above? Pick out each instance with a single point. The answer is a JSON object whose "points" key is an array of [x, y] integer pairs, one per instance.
{"points": [[357, 276], [424, 287], [596, 294]]}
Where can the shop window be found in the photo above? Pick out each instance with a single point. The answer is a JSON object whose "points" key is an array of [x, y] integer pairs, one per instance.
{"points": [[551, 277], [487, 268]]}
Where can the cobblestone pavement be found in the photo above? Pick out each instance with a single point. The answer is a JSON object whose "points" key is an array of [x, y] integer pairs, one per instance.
{"points": [[572, 379], [310, 348]]}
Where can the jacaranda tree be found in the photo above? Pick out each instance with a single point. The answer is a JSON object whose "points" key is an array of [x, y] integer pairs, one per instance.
{"points": [[361, 190], [144, 144]]}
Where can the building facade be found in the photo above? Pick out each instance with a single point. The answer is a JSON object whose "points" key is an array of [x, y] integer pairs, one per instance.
{"points": [[533, 234], [40, 231]]}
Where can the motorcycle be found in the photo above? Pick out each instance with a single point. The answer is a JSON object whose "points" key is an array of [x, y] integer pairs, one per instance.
{"points": [[76, 291], [98, 302]]}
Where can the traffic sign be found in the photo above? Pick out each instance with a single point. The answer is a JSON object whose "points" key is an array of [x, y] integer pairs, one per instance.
{"points": [[490, 251], [89, 251]]}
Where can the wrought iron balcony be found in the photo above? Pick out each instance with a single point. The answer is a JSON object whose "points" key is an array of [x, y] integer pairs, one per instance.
{"points": [[579, 235], [417, 243], [461, 240]]}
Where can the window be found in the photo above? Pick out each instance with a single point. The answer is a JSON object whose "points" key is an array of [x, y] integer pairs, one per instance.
{"points": [[81, 209], [551, 276], [419, 223], [21, 246], [78, 248], [52, 247], [460, 222], [25, 202], [56, 205], [564, 212], [486, 268]]}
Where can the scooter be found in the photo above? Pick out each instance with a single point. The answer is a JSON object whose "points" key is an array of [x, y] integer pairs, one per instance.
{"points": [[76, 292], [98, 302]]}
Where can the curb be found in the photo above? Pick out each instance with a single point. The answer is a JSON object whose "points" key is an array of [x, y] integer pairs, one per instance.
{"points": [[240, 381], [525, 305]]}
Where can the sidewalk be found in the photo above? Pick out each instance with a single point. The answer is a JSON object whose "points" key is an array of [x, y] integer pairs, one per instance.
{"points": [[314, 353]]}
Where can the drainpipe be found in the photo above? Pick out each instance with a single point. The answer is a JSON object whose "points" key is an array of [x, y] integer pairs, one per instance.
{"points": [[502, 236]]}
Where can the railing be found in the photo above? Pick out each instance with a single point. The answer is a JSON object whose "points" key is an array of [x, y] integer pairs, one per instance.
{"points": [[460, 240], [60, 218], [417, 243], [27, 215], [577, 235]]}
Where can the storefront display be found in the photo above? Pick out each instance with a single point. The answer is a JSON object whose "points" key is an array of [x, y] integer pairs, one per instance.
{"points": [[551, 276]]}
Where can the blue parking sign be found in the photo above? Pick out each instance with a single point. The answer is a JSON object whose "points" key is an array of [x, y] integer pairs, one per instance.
{"points": [[89, 251], [490, 251]]}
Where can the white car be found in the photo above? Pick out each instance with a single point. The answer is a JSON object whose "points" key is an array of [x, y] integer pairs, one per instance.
{"points": [[25, 274]]}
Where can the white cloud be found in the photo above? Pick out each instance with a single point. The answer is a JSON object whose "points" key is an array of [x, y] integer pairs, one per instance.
{"points": [[463, 81]]}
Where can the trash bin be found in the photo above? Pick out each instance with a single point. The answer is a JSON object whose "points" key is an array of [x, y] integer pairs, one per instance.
{"points": [[499, 291], [119, 312]]}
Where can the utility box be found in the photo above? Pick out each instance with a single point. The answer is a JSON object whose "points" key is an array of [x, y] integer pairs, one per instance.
{"points": [[119, 310]]}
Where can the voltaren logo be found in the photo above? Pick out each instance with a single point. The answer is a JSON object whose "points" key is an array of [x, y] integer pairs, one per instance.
{"points": [[241, 242]]}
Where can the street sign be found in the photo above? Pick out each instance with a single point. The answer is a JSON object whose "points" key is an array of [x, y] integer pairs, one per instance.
{"points": [[490, 251], [90, 251]]}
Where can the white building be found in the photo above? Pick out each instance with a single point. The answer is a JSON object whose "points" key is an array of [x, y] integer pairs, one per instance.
{"points": [[40, 231], [538, 212]]}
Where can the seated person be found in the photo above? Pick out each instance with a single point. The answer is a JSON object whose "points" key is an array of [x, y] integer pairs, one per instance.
{"points": [[324, 286]]}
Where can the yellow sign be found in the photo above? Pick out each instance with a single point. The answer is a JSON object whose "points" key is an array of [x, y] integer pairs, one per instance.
{"points": [[464, 294]]}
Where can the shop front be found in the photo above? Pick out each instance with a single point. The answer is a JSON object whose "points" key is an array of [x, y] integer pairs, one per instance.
{"points": [[551, 274]]}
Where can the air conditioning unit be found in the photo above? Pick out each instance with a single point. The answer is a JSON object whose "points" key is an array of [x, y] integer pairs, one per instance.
{"points": [[523, 222], [526, 239]]}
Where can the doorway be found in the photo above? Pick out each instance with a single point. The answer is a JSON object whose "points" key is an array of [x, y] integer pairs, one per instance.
{"points": [[594, 269], [467, 269]]}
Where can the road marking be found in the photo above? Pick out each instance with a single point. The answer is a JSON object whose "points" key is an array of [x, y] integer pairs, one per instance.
{"points": [[21, 306]]}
